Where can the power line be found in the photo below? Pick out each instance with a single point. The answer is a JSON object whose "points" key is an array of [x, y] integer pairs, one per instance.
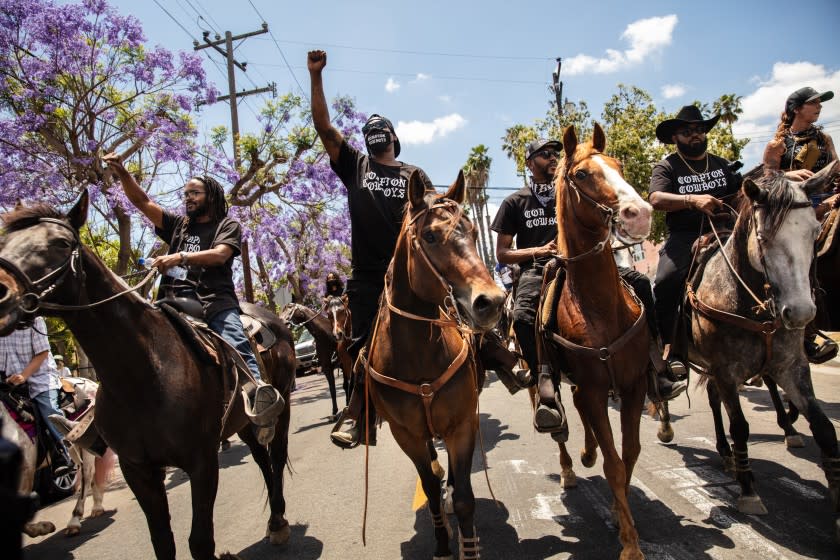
{"points": [[282, 55], [423, 53], [175, 20]]}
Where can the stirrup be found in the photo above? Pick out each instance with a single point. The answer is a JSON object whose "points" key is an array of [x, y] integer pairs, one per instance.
{"points": [[344, 443], [267, 406]]}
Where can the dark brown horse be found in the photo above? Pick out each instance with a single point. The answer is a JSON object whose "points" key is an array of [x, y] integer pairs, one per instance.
{"points": [[318, 324], [600, 323], [338, 310], [158, 405], [422, 373]]}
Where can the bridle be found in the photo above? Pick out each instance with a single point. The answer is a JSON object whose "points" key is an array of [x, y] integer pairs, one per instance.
{"points": [[36, 291], [295, 306]]}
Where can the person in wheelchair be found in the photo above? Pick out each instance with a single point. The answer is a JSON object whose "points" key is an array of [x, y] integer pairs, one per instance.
{"points": [[27, 363]]}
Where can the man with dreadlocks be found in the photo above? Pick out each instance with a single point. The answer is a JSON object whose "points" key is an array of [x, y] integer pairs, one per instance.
{"points": [[205, 242]]}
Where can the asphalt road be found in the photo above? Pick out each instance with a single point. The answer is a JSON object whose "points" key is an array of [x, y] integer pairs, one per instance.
{"points": [[682, 501]]}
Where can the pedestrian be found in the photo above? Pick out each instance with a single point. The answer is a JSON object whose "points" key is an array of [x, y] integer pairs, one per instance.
{"points": [[63, 371]]}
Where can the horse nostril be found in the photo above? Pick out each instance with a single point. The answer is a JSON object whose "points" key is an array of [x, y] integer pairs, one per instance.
{"points": [[481, 304], [629, 212], [4, 292], [786, 313]]}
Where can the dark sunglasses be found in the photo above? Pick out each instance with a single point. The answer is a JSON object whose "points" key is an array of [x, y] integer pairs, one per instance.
{"points": [[690, 131], [547, 154]]}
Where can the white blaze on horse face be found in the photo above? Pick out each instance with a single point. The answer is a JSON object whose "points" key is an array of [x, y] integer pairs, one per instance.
{"points": [[634, 214], [788, 256]]}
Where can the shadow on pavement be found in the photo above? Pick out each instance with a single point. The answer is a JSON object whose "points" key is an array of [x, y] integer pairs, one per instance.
{"points": [[60, 547], [299, 547]]}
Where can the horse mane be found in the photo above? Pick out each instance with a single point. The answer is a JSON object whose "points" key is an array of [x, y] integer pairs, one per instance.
{"points": [[781, 195], [23, 217], [431, 198]]}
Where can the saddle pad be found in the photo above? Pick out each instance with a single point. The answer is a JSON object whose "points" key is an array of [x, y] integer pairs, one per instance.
{"points": [[827, 240], [29, 428]]}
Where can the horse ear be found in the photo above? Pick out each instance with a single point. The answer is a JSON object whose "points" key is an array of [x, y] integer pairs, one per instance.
{"points": [[599, 139], [821, 180], [569, 142], [457, 191], [753, 191], [79, 213], [416, 189]]}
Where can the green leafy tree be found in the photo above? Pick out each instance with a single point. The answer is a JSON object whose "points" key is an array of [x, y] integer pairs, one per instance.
{"points": [[514, 141], [476, 174]]}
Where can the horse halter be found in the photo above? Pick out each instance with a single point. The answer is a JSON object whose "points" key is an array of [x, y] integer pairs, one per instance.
{"points": [[35, 291]]}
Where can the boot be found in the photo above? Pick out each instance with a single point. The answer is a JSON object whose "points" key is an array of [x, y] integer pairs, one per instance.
{"points": [[495, 356], [549, 416], [820, 353], [514, 379], [353, 434], [263, 404], [662, 389]]}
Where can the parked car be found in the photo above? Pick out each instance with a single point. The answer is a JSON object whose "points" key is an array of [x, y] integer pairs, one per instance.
{"points": [[307, 358]]}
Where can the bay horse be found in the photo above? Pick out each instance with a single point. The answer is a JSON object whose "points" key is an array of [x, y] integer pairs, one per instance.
{"points": [[158, 405], [318, 324], [338, 310], [421, 367], [600, 323], [750, 306]]}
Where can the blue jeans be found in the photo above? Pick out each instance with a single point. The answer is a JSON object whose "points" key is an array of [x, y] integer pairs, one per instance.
{"points": [[47, 403], [228, 325]]}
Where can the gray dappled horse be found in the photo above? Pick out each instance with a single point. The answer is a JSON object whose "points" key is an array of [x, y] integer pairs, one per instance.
{"points": [[750, 309]]}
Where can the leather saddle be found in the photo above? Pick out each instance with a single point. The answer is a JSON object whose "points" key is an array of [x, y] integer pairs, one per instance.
{"points": [[829, 239]]}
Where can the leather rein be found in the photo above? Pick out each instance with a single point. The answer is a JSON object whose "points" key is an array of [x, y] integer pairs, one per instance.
{"points": [[766, 328], [450, 317], [36, 291]]}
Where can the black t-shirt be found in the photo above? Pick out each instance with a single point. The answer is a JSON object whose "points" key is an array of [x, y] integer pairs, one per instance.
{"points": [[377, 195], [524, 217], [212, 284], [671, 175]]}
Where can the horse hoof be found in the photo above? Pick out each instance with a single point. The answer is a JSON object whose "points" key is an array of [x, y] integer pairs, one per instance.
{"points": [[568, 479], [794, 441], [72, 530], [631, 554], [751, 505], [665, 434], [437, 469], [588, 459], [97, 512], [38, 529], [728, 464], [280, 536]]}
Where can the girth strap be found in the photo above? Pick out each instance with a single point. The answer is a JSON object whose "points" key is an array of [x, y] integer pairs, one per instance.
{"points": [[766, 328], [426, 391]]}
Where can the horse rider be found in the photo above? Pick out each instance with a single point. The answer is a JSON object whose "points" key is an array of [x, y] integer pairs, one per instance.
{"points": [[334, 286], [205, 241], [529, 217], [25, 358], [377, 192], [799, 149], [688, 185]]}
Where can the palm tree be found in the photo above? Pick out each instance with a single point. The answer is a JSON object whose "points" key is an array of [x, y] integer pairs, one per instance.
{"points": [[728, 106], [476, 174], [514, 142]]}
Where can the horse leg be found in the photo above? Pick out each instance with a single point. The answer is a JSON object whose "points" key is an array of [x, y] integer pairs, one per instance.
{"points": [[665, 432], [589, 453], [801, 394], [568, 478], [103, 466], [721, 442], [749, 501], [792, 438], [325, 359], [204, 482], [146, 482], [417, 449], [593, 406], [84, 460], [460, 445], [632, 404], [278, 530], [346, 370]]}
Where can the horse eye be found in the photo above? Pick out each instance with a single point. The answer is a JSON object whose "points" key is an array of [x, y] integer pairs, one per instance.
{"points": [[580, 174], [63, 243], [429, 237]]}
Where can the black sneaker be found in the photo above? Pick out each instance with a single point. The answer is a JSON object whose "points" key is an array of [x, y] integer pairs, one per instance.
{"points": [[670, 389], [677, 369], [820, 353]]}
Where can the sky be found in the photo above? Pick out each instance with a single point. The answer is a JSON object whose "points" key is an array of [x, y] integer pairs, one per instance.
{"points": [[455, 74]]}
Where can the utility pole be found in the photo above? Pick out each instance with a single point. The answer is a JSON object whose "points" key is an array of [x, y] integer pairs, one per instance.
{"points": [[232, 96], [558, 87]]}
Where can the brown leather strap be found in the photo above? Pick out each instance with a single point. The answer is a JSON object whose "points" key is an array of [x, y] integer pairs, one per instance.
{"points": [[426, 391]]}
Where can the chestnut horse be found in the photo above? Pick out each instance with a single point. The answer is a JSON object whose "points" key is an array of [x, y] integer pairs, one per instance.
{"points": [[600, 323], [158, 405], [421, 369], [318, 324], [750, 307]]}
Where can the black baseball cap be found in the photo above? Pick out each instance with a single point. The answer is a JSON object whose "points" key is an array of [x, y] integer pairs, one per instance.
{"points": [[803, 95], [539, 144]]}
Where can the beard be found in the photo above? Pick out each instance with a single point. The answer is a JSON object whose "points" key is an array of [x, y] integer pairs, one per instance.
{"points": [[198, 211], [693, 150]]}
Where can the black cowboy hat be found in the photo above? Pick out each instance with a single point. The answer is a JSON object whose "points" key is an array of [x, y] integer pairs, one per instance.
{"points": [[540, 143], [690, 114], [378, 122]]}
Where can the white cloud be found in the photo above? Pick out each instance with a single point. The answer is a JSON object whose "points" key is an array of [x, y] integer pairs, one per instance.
{"points": [[392, 85], [445, 98], [763, 107], [421, 77], [670, 91], [419, 132], [646, 37]]}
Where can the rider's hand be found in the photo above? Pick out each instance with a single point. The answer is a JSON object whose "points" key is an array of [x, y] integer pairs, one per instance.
{"points": [[706, 203], [799, 174], [16, 379], [547, 250], [114, 161], [166, 262], [316, 60]]}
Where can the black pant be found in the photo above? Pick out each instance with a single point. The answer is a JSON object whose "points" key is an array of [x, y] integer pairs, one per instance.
{"points": [[671, 274], [363, 292], [525, 313], [641, 285]]}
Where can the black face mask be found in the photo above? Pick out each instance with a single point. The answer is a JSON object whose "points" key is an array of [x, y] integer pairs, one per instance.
{"points": [[377, 140], [693, 150]]}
